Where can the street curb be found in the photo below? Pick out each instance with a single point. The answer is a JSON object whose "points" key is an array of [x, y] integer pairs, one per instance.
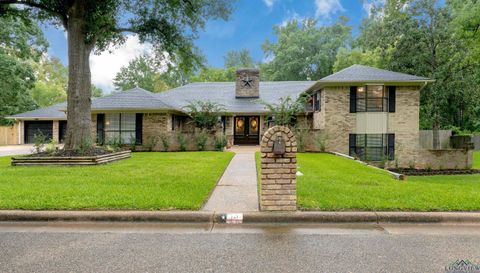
{"points": [[113, 216], [298, 217]]}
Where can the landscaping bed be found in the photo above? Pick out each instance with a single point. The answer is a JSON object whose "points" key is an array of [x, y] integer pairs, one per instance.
{"points": [[416, 172], [69, 159], [147, 181]]}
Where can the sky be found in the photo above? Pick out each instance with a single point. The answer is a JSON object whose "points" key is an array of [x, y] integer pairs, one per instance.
{"points": [[249, 26]]}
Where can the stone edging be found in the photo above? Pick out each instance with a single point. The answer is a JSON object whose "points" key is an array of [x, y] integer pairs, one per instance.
{"points": [[248, 217], [69, 161]]}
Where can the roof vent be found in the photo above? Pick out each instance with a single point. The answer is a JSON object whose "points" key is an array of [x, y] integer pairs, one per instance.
{"points": [[247, 84]]}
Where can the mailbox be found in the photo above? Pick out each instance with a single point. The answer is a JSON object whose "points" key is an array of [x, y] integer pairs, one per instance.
{"points": [[279, 146]]}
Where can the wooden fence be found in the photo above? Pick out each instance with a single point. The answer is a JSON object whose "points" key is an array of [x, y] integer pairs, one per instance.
{"points": [[426, 139], [476, 142], [8, 135]]}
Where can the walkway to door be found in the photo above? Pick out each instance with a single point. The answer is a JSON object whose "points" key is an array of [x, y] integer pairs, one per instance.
{"points": [[237, 189]]}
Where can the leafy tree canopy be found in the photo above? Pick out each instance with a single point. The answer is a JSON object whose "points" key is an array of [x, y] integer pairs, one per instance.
{"points": [[238, 59], [304, 51]]}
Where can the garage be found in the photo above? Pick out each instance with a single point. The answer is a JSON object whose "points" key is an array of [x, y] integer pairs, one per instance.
{"points": [[32, 128]]}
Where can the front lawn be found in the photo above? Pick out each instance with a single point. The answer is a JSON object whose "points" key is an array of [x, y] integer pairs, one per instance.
{"points": [[335, 183], [145, 181]]}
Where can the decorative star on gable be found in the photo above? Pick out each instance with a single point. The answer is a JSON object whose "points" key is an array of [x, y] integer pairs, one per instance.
{"points": [[247, 82]]}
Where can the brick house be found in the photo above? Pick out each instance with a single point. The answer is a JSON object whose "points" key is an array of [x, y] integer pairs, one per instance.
{"points": [[363, 111]]}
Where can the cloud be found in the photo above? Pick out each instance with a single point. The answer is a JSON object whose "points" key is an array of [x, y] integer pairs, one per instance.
{"points": [[325, 8], [104, 67], [269, 3], [291, 15], [369, 4]]}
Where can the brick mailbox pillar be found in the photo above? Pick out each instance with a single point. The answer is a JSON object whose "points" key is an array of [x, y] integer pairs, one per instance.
{"points": [[278, 191]]}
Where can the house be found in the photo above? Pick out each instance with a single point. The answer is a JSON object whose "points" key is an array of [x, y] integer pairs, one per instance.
{"points": [[366, 112]]}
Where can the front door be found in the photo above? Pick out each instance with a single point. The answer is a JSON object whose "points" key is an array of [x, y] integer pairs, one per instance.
{"points": [[247, 130]]}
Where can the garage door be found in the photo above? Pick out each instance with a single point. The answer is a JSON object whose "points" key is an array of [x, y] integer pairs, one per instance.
{"points": [[35, 127]]}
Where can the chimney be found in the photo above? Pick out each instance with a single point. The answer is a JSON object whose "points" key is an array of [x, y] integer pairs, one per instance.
{"points": [[247, 84]]}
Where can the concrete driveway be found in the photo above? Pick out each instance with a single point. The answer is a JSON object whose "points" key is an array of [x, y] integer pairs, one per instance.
{"points": [[16, 150]]}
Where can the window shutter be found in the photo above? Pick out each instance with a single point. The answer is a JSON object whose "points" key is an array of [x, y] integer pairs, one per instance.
{"points": [[353, 99], [391, 146], [100, 128], [352, 144], [392, 98], [138, 128]]}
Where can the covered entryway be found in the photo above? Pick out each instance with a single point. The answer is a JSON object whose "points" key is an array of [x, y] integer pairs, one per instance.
{"points": [[33, 128], [246, 130]]}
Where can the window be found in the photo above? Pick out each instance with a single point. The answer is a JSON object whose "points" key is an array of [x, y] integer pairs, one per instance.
{"points": [[372, 147], [371, 98], [120, 127]]}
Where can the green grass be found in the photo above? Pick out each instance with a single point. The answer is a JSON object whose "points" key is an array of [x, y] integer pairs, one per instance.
{"points": [[335, 183], [476, 160], [145, 181]]}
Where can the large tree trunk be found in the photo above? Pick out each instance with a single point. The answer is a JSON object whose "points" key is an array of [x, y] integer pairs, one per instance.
{"points": [[79, 82]]}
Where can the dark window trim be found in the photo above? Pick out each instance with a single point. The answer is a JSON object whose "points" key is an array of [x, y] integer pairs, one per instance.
{"points": [[384, 100], [120, 131], [360, 151]]}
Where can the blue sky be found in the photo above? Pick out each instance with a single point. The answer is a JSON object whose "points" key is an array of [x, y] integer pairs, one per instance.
{"points": [[249, 26]]}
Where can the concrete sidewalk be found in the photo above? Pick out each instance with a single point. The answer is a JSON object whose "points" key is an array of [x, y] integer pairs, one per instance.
{"points": [[237, 189], [16, 150]]}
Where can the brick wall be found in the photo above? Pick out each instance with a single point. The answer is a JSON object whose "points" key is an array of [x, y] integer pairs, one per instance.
{"points": [[278, 191], [339, 122], [404, 123]]}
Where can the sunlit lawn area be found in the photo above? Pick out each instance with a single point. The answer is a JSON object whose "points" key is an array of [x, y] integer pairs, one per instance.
{"points": [[335, 183], [145, 181]]}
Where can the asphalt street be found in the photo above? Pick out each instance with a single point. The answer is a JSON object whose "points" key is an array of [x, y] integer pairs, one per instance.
{"points": [[147, 247]]}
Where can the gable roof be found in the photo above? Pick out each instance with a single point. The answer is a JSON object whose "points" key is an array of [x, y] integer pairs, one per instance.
{"points": [[224, 93], [51, 112], [362, 73], [136, 98]]}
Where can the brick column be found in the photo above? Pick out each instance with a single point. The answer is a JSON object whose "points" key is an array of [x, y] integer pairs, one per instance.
{"points": [[55, 129], [278, 190]]}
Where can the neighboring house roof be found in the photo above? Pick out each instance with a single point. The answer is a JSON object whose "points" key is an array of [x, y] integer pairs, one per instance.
{"points": [[51, 112], [224, 93], [134, 99], [362, 73]]}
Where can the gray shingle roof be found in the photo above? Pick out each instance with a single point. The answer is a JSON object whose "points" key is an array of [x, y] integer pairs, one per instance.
{"points": [[53, 112], [362, 73], [224, 93], [136, 98]]}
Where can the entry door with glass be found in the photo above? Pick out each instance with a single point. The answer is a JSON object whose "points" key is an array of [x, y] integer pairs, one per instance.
{"points": [[247, 130]]}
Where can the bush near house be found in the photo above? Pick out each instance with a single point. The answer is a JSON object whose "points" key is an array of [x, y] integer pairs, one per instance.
{"points": [[146, 181]]}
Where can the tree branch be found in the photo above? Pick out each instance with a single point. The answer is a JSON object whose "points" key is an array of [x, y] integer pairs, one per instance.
{"points": [[126, 30], [62, 17]]}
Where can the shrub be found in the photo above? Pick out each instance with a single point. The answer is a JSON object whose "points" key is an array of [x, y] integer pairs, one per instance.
{"points": [[115, 143], [182, 141], [151, 143], [285, 112], [201, 140], [165, 141], [51, 147], [205, 114], [220, 141], [301, 132], [133, 143], [321, 142], [39, 140]]}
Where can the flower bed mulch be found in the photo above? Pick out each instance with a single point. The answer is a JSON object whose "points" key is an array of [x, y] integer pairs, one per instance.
{"points": [[415, 172], [69, 153]]}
